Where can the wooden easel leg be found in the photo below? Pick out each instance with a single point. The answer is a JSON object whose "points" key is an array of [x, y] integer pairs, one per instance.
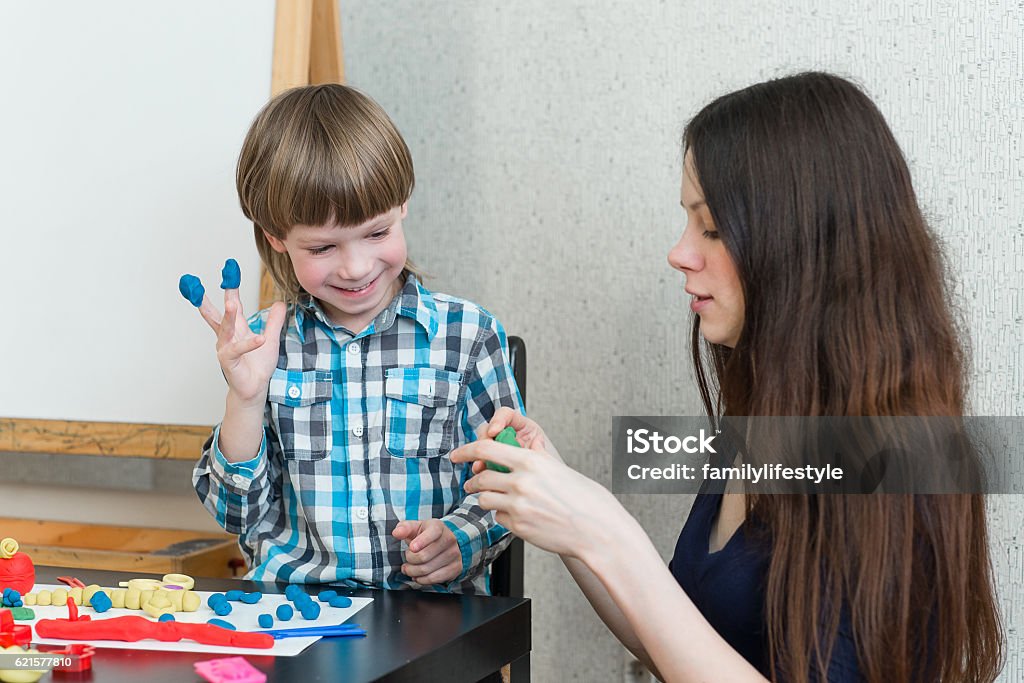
{"points": [[326, 60]]}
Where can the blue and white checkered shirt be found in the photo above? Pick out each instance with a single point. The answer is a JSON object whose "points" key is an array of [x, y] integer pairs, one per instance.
{"points": [[357, 432]]}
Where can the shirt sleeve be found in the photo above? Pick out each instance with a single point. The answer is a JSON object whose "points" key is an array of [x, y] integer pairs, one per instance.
{"points": [[237, 494], [491, 385]]}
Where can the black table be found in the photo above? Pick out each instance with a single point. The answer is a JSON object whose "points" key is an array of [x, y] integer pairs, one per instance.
{"points": [[412, 636]]}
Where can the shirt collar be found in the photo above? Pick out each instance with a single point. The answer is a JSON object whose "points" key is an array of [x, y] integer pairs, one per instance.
{"points": [[413, 301]]}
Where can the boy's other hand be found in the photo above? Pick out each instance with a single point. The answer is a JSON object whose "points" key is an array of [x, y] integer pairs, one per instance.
{"points": [[433, 555]]}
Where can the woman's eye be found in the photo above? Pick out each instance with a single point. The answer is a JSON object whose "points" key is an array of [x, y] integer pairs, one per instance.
{"points": [[711, 234], [316, 251]]}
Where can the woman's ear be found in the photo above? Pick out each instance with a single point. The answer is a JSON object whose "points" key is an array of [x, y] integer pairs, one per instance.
{"points": [[275, 244]]}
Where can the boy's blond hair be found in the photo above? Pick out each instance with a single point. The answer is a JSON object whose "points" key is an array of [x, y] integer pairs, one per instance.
{"points": [[319, 154]]}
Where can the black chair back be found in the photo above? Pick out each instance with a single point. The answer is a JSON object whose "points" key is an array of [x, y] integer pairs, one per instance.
{"points": [[507, 570]]}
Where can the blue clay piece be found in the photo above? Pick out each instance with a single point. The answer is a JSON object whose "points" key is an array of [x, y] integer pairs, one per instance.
{"points": [[311, 611], [230, 275], [215, 599], [292, 591], [100, 601], [222, 609], [285, 612], [223, 624], [234, 595], [251, 598], [266, 621], [327, 596], [341, 601], [166, 617], [192, 289]]}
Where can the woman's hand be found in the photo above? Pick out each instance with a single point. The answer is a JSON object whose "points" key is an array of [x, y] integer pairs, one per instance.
{"points": [[542, 500]]}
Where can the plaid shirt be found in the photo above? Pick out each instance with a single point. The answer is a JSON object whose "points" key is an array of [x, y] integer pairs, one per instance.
{"points": [[357, 432]]}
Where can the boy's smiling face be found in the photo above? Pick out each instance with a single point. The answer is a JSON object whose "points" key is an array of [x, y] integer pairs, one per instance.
{"points": [[354, 271]]}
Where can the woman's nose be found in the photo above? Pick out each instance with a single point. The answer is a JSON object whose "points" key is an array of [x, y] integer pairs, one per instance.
{"points": [[683, 256]]}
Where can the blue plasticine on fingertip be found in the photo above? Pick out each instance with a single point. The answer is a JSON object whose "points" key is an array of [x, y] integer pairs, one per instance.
{"points": [[231, 275], [192, 289]]}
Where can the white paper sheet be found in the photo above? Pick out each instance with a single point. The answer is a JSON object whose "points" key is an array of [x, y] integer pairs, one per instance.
{"points": [[243, 616]]}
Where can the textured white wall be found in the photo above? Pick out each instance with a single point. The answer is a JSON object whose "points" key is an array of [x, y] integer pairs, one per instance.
{"points": [[545, 136]]}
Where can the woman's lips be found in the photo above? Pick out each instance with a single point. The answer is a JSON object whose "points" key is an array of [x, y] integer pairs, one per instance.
{"points": [[699, 303]]}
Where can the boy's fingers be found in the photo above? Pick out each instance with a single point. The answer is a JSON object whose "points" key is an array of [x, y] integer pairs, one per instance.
{"points": [[407, 529], [241, 347], [227, 324], [429, 533], [443, 558], [275, 320], [210, 314]]}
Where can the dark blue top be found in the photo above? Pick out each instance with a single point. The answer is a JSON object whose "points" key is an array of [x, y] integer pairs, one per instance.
{"points": [[728, 587]]}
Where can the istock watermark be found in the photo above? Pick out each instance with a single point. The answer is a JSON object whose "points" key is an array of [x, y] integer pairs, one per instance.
{"points": [[817, 455]]}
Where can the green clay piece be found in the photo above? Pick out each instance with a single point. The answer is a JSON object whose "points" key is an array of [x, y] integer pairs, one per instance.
{"points": [[506, 436], [22, 613]]}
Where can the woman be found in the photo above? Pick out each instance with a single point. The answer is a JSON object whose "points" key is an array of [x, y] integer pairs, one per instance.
{"points": [[818, 291]]}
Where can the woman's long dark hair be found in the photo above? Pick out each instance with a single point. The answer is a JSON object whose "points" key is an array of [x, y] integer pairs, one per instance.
{"points": [[846, 315]]}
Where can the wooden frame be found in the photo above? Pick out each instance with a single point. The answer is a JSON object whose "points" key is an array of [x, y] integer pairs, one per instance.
{"points": [[307, 50]]}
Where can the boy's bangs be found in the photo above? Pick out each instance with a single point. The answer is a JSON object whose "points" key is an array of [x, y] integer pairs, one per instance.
{"points": [[335, 178]]}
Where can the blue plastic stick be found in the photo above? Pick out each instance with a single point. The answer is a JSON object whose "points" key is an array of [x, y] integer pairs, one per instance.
{"points": [[325, 631]]}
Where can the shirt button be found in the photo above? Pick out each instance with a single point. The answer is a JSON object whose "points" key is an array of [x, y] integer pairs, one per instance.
{"points": [[358, 430], [361, 513], [294, 391], [238, 479], [353, 348]]}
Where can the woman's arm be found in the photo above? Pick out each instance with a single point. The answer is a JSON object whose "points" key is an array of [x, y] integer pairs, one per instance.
{"points": [[559, 510], [609, 612]]}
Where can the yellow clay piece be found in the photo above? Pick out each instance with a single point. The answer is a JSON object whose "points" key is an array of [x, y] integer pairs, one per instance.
{"points": [[183, 580], [8, 547], [160, 600], [117, 597], [43, 598], [59, 597], [29, 599], [175, 598], [88, 592], [131, 598], [154, 611], [144, 598], [190, 602], [76, 594]]}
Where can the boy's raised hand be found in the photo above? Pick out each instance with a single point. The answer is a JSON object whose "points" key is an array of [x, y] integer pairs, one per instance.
{"points": [[245, 358], [433, 555]]}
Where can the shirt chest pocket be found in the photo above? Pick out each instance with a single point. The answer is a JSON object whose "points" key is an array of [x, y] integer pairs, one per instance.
{"points": [[300, 404], [420, 411]]}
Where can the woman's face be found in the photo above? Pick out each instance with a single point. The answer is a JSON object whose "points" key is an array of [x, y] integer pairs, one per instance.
{"points": [[711, 277]]}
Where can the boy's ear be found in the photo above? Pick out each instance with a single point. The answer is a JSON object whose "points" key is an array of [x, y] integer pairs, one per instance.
{"points": [[405, 209], [276, 244]]}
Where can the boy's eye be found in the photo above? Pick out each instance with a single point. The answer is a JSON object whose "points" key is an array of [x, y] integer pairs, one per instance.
{"points": [[380, 234], [319, 250]]}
